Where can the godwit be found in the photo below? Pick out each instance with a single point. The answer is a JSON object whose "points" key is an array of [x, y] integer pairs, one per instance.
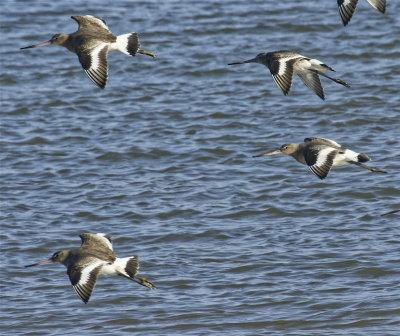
{"points": [[321, 154], [92, 42], [95, 257], [284, 64]]}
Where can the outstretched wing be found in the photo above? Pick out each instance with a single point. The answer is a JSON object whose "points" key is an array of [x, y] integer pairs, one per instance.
{"points": [[83, 277], [313, 82], [100, 241], [323, 141], [379, 5], [281, 68], [90, 23], [98, 245], [94, 62], [320, 158], [346, 9]]}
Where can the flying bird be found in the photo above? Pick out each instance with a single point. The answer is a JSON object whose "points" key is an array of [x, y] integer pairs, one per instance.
{"points": [[321, 154], [93, 258], [284, 64], [92, 42]]}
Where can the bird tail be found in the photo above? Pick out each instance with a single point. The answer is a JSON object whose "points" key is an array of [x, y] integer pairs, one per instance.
{"points": [[129, 266], [128, 43], [130, 269], [363, 157]]}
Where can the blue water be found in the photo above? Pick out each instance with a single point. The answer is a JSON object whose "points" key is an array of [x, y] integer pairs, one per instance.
{"points": [[162, 158]]}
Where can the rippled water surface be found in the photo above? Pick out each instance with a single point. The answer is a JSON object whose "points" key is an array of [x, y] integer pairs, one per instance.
{"points": [[162, 158]]}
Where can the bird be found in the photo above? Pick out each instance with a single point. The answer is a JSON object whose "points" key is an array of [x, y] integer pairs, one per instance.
{"points": [[92, 42], [321, 154], [391, 212], [347, 8], [284, 64], [95, 257]]}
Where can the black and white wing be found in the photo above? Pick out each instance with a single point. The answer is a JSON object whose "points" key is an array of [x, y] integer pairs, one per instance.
{"points": [[379, 5], [281, 67], [346, 9], [94, 62], [83, 277], [319, 159]]}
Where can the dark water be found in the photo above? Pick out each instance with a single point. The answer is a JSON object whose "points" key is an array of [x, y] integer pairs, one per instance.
{"points": [[163, 159]]}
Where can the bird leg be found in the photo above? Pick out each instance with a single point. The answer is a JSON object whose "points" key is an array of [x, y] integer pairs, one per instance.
{"points": [[337, 80], [144, 52], [373, 169], [141, 281]]}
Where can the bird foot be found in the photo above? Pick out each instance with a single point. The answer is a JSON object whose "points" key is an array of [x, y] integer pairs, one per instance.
{"points": [[339, 81], [145, 282], [377, 170]]}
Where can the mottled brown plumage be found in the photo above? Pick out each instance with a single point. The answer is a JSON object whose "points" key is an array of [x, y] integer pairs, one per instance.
{"points": [[95, 257], [321, 154], [92, 42]]}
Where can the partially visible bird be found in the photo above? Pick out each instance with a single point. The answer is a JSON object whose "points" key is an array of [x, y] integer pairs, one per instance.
{"points": [[347, 8], [95, 257], [92, 42], [390, 212], [284, 64], [321, 154]]}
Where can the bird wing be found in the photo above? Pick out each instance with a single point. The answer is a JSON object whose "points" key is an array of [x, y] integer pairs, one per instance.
{"points": [[96, 240], [379, 5], [313, 82], [323, 141], [346, 9], [94, 62], [83, 277], [319, 158], [281, 69], [90, 23], [98, 245]]}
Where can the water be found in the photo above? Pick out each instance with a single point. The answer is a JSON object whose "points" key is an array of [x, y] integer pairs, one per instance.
{"points": [[163, 159]]}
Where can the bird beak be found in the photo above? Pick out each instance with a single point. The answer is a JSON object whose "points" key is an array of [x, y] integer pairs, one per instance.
{"points": [[271, 153], [40, 263], [253, 60], [38, 45]]}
